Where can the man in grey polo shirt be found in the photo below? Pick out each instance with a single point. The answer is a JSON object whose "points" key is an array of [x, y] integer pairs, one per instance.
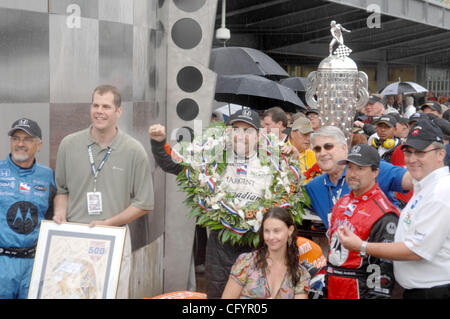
{"points": [[103, 175]]}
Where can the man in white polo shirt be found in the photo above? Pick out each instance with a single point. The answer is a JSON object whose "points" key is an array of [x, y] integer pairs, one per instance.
{"points": [[421, 251]]}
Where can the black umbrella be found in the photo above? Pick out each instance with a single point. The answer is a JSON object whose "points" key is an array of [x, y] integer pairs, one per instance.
{"points": [[297, 84], [241, 60], [256, 92]]}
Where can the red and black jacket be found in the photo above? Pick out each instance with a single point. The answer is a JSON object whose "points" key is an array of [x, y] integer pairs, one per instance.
{"points": [[374, 218]]}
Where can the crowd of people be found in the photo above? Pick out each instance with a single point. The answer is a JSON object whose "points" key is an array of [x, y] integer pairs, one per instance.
{"points": [[379, 193], [361, 191]]}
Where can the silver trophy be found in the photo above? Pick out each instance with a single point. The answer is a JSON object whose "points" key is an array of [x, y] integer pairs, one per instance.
{"points": [[337, 89]]}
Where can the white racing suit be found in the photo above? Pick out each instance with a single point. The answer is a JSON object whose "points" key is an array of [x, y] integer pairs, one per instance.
{"points": [[248, 180]]}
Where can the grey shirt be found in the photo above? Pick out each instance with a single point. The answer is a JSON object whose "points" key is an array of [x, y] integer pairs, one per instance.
{"points": [[124, 180]]}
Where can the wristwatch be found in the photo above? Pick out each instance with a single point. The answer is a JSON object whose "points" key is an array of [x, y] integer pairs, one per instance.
{"points": [[362, 251]]}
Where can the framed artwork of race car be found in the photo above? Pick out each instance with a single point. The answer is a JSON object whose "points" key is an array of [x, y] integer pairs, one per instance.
{"points": [[75, 261]]}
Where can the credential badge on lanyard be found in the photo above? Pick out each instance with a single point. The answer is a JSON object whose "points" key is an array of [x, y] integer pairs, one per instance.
{"points": [[94, 199], [334, 199]]}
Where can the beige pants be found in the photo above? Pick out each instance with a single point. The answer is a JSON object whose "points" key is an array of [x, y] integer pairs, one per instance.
{"points": [[125, 269]]}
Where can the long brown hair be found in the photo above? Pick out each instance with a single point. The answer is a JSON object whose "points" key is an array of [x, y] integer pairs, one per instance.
{"points": [[291, 250]]}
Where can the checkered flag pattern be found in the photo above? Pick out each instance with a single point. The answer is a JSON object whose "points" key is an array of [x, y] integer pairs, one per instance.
{"points": [[342, 51]]}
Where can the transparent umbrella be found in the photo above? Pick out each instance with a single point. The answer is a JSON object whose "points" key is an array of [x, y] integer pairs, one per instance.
{"points": [[403, 88]]}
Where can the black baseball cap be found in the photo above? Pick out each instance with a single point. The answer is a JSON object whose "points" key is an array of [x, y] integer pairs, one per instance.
{"points": [[247, 116], [373, 98], [432, 105], [422, 134], [446, 115], [387, 119], [26, 125], [398, 117], [362, 155], [416, 117]]}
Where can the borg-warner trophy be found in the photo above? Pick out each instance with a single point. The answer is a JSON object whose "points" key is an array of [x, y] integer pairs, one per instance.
{"points": [[337, 89]]}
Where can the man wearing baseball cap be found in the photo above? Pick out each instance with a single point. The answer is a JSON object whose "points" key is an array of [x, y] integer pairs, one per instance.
{"points": [[300, 139], [245, 124], [432, 107], [27, 189], [370, 215], [244, 176], [313, 115], [422, 239], [384, 140], [374, 109]]}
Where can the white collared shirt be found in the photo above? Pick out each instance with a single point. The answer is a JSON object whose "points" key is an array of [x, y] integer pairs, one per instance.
{"points": [[424, 227]]}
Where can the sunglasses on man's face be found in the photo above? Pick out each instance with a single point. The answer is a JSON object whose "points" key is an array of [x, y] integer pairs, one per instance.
{"points": [[326, 146]]}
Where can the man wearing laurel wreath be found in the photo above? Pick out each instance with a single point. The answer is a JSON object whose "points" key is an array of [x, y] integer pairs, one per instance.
{"points": [[244, 176]]}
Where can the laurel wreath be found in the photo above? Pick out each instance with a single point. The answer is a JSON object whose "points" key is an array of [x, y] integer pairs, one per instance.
{"points": [[204, 161]]}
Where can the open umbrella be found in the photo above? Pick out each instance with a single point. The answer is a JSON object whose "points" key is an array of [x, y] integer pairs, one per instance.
{"points": [[256, 92], [241, 60], [403, 88], [296, 83], [229, 108]]}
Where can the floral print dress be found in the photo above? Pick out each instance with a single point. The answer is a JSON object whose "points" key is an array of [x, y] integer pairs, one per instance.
{"points": [[254, 282]]}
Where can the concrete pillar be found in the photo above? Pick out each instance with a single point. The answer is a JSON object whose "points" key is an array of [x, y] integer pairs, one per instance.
{"points": [[382, 75]]}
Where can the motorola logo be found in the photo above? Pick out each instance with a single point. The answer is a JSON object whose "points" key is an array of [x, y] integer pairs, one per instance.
{"points": [[22, 217]]}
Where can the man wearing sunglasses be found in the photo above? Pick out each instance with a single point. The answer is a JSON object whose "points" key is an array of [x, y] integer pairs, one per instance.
{"points": [[27, 189], [330, 145], [422, 240]]}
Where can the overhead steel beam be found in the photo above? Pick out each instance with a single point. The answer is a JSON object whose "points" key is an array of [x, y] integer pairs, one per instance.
{"points": [[420, 11], [305, 37], [300, 12], [253, 8], [426, 35], [424, 53], [313, 21]]}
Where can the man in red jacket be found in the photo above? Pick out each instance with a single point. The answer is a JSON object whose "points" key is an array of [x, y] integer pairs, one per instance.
{"points": [[368, 213]]}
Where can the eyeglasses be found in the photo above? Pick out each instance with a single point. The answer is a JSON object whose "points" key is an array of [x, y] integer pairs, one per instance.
{"points": [[418, 154], [326, 146], [26, 140]]}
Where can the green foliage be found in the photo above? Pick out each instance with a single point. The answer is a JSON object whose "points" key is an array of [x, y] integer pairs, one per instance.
{"points": [[204, 159]]}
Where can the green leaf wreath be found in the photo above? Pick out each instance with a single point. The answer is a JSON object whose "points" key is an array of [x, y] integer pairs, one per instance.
{"points": [[205, 162]]}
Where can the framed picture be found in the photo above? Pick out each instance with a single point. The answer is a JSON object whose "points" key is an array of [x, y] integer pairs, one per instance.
{"points": [[75, 261]]}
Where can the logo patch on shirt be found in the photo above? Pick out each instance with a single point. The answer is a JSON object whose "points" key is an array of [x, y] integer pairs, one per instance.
{"points": [[350, 209], [241, 169], [391, 228], [4, 172], [8, 184], [40, 188], [22, 217], [413, 205], [407, 219], [24, 187]]}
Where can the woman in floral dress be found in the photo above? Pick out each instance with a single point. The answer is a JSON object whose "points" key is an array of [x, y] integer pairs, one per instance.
{"points": [[273, 270]]}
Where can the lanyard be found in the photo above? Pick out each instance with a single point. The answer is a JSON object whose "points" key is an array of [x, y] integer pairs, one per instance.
{"points": [[96, 171], [334, 199]]}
